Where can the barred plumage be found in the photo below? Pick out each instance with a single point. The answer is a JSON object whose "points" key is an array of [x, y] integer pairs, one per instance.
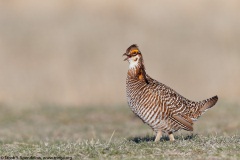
{"points": [[163, 109]]}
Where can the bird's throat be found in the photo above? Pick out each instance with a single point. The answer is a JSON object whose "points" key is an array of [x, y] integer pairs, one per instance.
{"points": [[138, 72]]}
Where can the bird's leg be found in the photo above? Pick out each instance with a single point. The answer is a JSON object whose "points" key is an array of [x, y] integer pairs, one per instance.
{"points": [[171, 137], [159, 135]]}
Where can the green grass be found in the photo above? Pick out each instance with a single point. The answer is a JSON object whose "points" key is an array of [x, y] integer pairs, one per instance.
{"points": [[197, 147], [113, 133]]}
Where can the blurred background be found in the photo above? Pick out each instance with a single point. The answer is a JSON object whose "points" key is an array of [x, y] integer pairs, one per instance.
{"points": [[69, 53]]}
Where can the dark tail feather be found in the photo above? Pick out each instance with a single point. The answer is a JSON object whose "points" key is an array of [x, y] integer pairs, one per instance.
{"points": [[208, 103]]}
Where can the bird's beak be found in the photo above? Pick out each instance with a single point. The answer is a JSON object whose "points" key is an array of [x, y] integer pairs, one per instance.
{"points": [[125, 54]]}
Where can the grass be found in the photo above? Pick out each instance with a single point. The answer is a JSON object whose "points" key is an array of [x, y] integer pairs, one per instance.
{"points": [[112, 133]]}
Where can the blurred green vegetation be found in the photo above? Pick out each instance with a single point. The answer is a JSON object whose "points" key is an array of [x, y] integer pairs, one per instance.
{"points": [[113, 132], [99, 122]]}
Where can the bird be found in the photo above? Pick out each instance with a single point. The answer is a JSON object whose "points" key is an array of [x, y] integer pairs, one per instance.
{"points": [[156, 104]]}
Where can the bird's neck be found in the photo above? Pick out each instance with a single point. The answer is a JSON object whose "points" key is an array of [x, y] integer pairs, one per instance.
{"points": [[137, 71]]}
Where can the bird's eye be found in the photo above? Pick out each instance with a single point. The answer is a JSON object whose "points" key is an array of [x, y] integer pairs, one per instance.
{"points": [[135, 59], [134, 54]]}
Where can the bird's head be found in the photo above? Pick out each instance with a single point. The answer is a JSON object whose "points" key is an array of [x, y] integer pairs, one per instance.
{"points": [[134, 56]]}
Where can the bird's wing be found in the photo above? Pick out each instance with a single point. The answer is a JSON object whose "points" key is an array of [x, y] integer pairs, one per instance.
{"points": [[171, 97], [181, 121]]}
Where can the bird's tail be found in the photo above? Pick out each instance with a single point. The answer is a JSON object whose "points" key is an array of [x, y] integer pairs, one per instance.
{"points": [[208, 103], [203, 106]]}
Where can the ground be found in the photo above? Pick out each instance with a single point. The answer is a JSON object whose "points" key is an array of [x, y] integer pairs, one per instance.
{"points": [[113, 132]]}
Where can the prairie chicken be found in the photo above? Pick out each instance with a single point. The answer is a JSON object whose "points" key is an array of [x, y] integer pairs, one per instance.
{"points": [[162, 108]]}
